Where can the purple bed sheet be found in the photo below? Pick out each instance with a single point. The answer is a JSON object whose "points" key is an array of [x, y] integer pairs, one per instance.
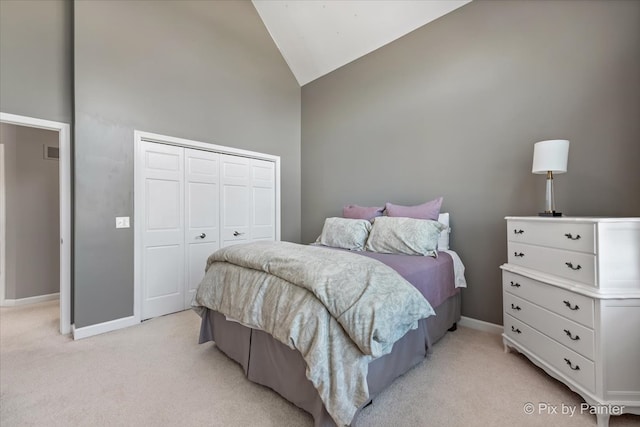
{"points": [[433, 277]]}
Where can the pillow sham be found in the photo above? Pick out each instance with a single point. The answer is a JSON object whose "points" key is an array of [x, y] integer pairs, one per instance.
{"points": [[399, 235], [345, 233], [362, 212], [428, 210]]}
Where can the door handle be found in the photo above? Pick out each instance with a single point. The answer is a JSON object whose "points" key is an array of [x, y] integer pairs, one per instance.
{"points": [[202, 236], [237, 233]]}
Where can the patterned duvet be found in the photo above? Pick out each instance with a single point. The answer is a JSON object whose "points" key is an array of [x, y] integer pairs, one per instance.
{"points": [[339, 310]]}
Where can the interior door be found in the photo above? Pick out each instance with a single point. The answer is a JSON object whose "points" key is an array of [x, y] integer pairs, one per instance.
{"points": [[235, 198], [263, 197], [163, 230], [202, 195]]}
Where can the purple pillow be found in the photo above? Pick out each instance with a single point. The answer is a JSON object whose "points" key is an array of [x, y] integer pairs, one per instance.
{"points": [[429, 210], [361, 212]]}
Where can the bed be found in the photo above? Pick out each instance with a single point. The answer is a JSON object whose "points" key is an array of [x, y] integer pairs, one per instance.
{"points": [[275, 361]]}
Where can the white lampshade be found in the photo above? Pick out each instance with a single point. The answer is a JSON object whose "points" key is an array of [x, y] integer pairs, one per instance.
{"points": [[551, 156]]}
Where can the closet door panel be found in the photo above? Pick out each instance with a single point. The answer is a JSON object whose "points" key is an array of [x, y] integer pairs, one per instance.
{"points": [[163, 232], [262, 200], [235, 199], [202, 207]]}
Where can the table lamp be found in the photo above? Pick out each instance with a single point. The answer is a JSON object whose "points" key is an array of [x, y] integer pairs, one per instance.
{"points": [[550, 157]]}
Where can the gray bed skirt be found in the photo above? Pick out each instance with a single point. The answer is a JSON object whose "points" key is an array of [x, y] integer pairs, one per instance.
{"points": [[270, 363]]}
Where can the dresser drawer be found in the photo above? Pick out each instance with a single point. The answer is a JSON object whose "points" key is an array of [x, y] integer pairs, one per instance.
{"points": [[569, 363], [576, 337], [576, 266], [575, 307], [564, 235]]}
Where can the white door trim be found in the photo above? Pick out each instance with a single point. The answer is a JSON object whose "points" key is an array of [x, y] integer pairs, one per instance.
{"points": [[3, 239], [138, 182], [64, 140]]}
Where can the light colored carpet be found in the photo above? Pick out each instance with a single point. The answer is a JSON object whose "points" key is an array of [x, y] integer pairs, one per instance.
{"points": [[156, 374]]}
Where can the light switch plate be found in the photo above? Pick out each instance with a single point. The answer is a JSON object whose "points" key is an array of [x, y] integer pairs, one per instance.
{"points": [[122, 222]]}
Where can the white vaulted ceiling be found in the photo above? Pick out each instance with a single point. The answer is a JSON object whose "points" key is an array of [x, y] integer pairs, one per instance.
{"points": [[318, 36]]}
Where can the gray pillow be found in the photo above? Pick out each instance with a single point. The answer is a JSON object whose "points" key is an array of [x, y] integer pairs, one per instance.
{"points": [[345, 233], [398, 235]]}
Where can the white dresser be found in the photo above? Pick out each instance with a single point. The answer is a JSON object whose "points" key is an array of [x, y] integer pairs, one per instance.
{"points": [[571, 297]]}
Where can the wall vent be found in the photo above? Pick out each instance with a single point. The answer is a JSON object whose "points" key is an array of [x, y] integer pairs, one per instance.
{"points": [[51, 152]]}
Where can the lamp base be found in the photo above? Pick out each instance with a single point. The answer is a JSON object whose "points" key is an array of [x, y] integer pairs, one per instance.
{"points": [[554, 213]]}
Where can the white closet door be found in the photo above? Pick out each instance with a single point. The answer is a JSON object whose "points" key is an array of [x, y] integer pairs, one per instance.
{"points": [[193, 202], [235, 199], [263, 197], [163, 232], [202, 195]]}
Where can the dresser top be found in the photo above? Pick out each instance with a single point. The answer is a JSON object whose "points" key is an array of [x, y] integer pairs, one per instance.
{"points": [[574, 218]]}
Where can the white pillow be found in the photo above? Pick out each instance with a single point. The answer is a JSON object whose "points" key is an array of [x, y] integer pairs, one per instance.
{"points": [[399, 235], [345, 233], [443, 240]]}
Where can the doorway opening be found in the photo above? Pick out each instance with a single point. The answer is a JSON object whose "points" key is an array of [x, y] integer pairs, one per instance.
{"points": [[52, 148]]}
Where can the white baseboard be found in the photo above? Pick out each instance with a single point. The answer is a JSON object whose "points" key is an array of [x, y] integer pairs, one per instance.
{"points": [[481, 325], [30, 300], [101, 328]]}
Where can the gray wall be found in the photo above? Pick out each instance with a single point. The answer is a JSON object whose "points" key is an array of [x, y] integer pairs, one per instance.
{"points": [[207, 71], [35, 59], [454, 109], [32, 213]]}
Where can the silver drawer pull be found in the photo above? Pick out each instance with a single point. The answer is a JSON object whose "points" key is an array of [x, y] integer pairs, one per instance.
{"points": [[570, 265], [518, 254], [202, 236], [515, 307], [570, 335], [515, 285], [568, 304], [516, 330], [575, 368], [237, 233], [518, 231], [570, 236]]}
